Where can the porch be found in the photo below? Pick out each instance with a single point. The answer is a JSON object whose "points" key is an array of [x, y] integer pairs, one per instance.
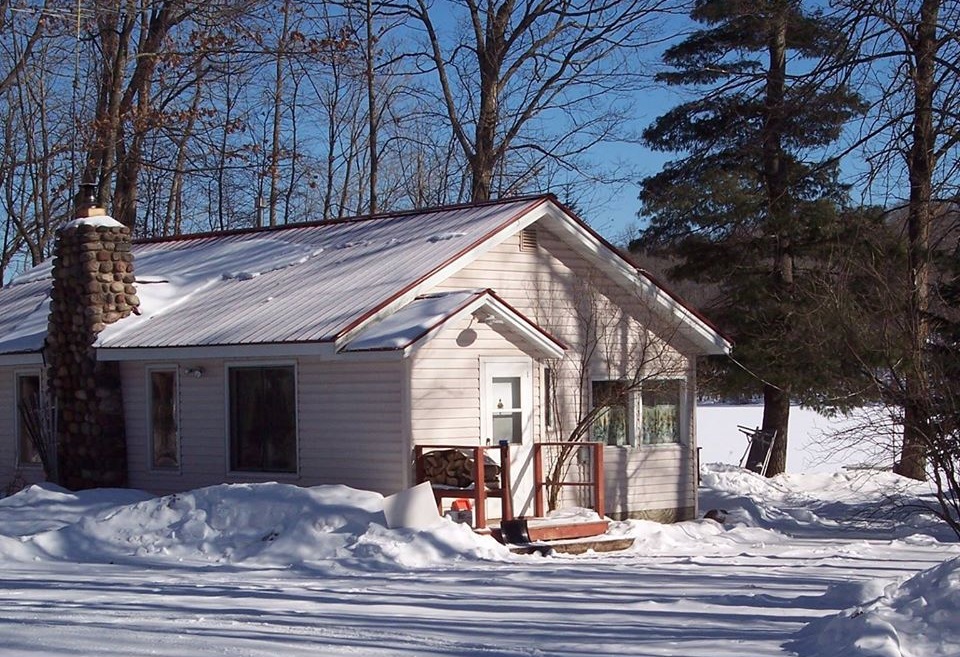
{"points": [[454, 470]]}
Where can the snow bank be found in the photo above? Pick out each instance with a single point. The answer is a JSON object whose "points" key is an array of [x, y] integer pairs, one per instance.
{"points": [[918, 618], [693, 538], [865, 500], [44, 507], [249, 525]]}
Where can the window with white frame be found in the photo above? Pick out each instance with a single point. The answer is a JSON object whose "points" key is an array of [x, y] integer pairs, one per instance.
{"points": [[612, 424], [649, 415], [28, 417], [661, 402], [548, 397], [263, 418], [163, 409]]}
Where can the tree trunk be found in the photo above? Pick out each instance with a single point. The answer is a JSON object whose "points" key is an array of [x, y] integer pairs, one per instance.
{"points": [[126, 188], [490, 58], [776, 416], [278, 93], [372, 118], [776, 400], [920, 168]]}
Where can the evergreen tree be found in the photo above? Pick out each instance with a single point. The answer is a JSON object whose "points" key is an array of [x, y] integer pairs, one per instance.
{"points": [[751, 201]]}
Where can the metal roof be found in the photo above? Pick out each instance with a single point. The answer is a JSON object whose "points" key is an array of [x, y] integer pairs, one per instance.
{"points": [[24, 310], [314, 283], [304, 283]]}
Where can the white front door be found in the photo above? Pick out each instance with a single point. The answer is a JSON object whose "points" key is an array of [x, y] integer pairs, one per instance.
{"points": [[506, 403]]}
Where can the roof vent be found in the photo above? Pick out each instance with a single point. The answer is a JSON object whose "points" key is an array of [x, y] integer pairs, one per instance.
{"points": [[528, 239]]}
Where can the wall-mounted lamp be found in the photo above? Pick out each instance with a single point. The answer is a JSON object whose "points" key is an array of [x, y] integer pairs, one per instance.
{"points": [[195, 372], [489, 319]]}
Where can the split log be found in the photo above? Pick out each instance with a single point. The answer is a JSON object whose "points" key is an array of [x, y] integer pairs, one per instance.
{"points": [[454, 468]]}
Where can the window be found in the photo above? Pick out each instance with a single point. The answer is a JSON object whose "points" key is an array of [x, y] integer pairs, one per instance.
{"points": [[660, 403], [263, 423], [28, 418], [163, 425], [547, 397], [653, 412], [611, 426], [507, 421]]}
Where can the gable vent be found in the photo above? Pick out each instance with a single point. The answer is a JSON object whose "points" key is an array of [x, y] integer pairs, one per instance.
{"points": [[528, 239]]}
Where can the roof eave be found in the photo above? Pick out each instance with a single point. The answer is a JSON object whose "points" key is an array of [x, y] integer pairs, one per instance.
{"points": [[696, 328]]}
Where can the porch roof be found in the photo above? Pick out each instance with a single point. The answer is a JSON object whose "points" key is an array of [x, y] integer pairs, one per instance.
{"points": [[428, 313]]}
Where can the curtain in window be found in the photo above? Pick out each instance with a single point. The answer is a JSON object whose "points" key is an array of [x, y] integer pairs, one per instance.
{"points": [[611, 426], [661, 412], [163, 418], [28, 402]]}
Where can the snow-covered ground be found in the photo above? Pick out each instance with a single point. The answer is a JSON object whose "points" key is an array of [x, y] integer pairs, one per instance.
{"points": [[814, 443], [803, 566], [806, 564]]}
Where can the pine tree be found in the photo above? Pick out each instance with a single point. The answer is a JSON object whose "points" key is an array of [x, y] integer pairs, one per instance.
{"points": [[751, 200]]}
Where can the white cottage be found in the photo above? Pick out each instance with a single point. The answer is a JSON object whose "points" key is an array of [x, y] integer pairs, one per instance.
{"points": [[327, 352]]}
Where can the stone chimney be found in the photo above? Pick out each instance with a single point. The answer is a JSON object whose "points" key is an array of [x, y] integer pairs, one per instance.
{"points": [[93, 286]]}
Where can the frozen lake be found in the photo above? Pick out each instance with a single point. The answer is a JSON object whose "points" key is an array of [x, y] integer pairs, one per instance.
{"points": [[812, 443]]}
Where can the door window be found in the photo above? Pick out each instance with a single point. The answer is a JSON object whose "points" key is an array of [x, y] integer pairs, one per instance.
{"points": [[508, 409]]}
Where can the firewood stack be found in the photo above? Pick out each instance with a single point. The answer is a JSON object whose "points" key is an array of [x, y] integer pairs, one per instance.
{"points": [[452, 467]]}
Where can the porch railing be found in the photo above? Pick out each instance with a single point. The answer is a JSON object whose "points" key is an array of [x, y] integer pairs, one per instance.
{"points": [[478, 492], [595, 482]]}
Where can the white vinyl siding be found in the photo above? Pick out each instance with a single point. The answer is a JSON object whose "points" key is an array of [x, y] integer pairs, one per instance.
{"points": [[445, 385], [349, 427], [538, 283]]}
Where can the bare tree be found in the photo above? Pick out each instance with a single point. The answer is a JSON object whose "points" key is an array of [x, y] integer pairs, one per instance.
{"points": [[539, 78], [867, 291], [617, 358], [912, 49], [19, 40]]}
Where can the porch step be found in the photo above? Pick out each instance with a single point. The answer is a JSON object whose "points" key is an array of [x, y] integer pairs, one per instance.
{"points": [[598, 544], [530, 535]]}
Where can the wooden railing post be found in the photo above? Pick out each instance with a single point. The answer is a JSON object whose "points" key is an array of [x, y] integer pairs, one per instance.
{"points": [[599, 485], [419, 471], [538, 483], [479, 488], [506, 484]]}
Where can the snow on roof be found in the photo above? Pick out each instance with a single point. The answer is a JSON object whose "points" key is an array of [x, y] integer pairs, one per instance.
{"points": [[23, 322], [307, 283], [412, 322], [426, 313], [298, 284]]}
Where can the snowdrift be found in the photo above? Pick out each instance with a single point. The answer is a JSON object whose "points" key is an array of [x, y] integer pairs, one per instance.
{"points": [[865, 501], [336, 529], [247, 525], [918, 618]]}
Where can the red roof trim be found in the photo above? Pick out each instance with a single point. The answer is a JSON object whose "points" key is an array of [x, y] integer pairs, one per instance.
{"points": [[643, 272]]}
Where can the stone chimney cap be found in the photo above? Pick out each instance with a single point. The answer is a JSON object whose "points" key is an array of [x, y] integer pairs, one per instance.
{"points": [[96, 220]]}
